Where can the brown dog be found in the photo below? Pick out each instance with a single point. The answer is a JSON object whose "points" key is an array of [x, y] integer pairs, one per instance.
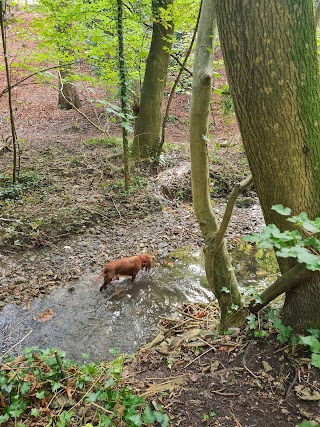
{"points": [[125, 267]]}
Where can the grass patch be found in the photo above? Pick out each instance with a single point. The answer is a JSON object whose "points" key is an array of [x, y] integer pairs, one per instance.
{"points": [[107, 142]]}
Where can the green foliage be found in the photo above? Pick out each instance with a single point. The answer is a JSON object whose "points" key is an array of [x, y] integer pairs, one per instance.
{"points": [[171, 118], [263, 323], [137, 182], [256, 325], [107, 142], [226, 98], [27, 182], [46, 379], [308, 424], [313, 341], [302, 245], [284, 332], [207, 417]]}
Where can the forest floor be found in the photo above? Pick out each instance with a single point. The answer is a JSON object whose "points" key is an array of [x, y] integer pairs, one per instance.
{"points": [[69, 214]]}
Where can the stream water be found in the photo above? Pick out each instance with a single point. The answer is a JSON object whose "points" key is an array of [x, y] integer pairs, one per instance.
{"points": [[79, 319]]}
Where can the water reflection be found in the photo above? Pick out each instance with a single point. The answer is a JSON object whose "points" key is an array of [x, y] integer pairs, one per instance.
{"points": [[124, 316]]}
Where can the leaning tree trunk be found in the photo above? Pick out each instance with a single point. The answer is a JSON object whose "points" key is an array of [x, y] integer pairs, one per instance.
{"points": [[270, 54], [147, 132], [219, 271]]}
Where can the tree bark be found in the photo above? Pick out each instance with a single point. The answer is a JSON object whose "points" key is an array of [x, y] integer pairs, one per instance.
{"points": [[68, 97], [147, 131], [123, 95], [219, 271], [270, 54]]}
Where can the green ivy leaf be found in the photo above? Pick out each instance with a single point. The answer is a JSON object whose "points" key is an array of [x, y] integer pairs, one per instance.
{"points": [[93, 397], [56, 386], [252, 321], [4, 418], [315, 360], [281, 210], [148, 416], [40, 394], [312, 342], [34, 412], [313, 242], [25, 387], [162, 418], [15, 413], [135, 419], [110, 382]]}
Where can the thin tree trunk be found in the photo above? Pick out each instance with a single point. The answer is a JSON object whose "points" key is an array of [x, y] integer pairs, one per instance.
{"points": [[124, 98], [270, 56], [15, 143], [219, 271], [175, 84]]}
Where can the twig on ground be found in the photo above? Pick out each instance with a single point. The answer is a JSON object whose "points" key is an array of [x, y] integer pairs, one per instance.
{"points": [[116, 207], [17, 343], [220, 393], [291, 385], [244, 362], [11, 220], [190, 315], [96, 213], [200, 355]]}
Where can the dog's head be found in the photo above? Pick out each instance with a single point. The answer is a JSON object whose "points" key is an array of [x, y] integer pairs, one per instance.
{"points": [[146, 260]]}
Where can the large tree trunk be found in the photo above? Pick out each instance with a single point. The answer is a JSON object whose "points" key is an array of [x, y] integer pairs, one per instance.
{"points": [[147, 131], [270, 54], [219, 271]]}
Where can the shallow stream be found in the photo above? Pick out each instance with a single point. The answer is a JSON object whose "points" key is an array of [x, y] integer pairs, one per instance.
{"points": [[79, 319]]}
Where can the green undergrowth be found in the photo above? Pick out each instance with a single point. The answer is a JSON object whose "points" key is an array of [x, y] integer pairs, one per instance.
{"points": [[268, 320], [43, 387], [29, 181], [107, 142]]}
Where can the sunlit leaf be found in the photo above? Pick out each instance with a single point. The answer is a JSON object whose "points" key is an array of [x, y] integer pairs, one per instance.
{"points": [[281, 210]]}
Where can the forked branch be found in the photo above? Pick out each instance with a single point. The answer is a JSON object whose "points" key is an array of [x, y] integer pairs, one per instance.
{"points": [[238, 189]]}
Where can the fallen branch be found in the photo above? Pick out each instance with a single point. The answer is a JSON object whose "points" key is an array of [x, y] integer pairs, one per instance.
{"points": [[292, 383], [11, 220]]}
